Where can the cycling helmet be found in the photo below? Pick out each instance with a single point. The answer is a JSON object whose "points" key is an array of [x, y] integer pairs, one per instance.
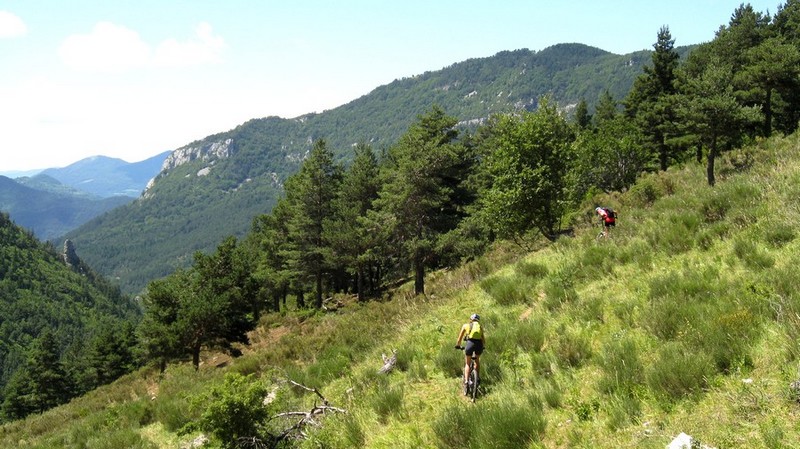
{"points": [[475, 317]]}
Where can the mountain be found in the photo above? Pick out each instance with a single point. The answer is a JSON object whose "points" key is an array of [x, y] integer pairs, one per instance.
{"points": [[106, 177], [43, 291], [685, 321], [50, 209], [214, 187]]}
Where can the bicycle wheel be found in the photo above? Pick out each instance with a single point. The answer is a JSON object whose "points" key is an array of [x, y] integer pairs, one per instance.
{"points": [[473, 380]]}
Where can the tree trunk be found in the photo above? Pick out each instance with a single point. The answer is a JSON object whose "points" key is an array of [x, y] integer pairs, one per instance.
{"points": [[360, 284], [712, 155], [318, 299], [768, 113], [196, 357], [419, 276]]}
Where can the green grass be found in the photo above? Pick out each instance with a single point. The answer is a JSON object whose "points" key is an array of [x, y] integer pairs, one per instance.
{"points": [[620, 343]]}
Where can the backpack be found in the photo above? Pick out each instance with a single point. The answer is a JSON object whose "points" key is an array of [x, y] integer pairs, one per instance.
{"points": [[475, 332], [610, 213]]}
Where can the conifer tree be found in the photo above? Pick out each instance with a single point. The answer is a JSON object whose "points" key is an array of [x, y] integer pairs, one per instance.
{"points": [[310, 194], [418, 198]]}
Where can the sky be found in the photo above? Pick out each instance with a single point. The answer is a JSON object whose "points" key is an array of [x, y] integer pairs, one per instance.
{"points": [[132, 79]]}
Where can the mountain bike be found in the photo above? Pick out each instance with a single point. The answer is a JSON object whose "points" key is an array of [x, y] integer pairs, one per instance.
{"points": [[471, 387]]}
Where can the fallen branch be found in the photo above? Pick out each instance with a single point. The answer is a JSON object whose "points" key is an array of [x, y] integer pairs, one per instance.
{"points": [[307, 417], [388, 362]]}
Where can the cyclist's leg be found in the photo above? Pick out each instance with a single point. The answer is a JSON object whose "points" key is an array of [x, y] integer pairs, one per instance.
{"points": [[469, 349]]}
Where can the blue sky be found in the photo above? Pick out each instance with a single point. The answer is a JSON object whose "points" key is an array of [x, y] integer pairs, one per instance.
{"points": [[133, 79]]}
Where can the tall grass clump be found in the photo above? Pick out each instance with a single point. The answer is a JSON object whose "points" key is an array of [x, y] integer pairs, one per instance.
{"points": [[573, 346], [559, 287], [778, 234], [511, 421], [621, 365], [455, 427], [505, 291], [387, 401], [751, 254], [675, 235], [679, 372]]}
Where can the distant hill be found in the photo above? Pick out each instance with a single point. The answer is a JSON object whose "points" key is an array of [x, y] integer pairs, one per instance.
{"points": [[48, 208], [214, 187], [39, 291], [106, 177]]}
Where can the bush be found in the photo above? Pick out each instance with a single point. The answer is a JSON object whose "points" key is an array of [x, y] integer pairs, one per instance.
{"points": [[450, 361], [530, 334], [235, 410], [532, 270], [622, 410]]}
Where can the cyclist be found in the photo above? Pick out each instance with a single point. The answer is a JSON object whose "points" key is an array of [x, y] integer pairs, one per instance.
{"points": [[607, 217], [474, 337]]}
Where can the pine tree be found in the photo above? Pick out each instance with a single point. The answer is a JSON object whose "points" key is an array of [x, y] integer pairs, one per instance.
{"points": [[310, 194], [418, 199]]}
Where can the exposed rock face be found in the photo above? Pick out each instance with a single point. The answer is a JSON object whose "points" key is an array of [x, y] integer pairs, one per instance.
{"points": [[215, 150], [205, 152], [70, 256]]}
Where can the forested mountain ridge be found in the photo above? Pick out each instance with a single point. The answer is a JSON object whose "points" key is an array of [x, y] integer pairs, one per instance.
{"points": [[215, 186], [59, 306], [49, 208]]}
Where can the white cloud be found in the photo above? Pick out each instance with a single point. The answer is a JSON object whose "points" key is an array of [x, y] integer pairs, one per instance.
{"points": [[204, 48], [108, 48], [11, 25], [115, 48]]}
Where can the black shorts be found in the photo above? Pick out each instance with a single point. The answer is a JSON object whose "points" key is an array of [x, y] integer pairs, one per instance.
{"points": [[473, 346], [610, 223]]}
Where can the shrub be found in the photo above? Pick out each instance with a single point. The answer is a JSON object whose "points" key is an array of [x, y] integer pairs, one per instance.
{"points": [[450, 361], [552, 394], [622, 410], [676, 235], [235, 410], [530, 334], [559, 287]]}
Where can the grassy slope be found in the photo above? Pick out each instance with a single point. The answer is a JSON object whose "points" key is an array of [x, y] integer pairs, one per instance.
{"points": [[619, 343]]}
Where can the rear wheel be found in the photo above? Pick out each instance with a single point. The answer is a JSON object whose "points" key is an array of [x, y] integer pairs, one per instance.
{"points": [[473, 381]]}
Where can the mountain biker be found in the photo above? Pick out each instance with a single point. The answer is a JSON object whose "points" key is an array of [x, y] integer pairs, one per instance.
{"points": [[607, 217], [474, 337]]}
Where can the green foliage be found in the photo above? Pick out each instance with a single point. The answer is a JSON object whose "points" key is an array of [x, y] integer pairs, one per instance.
{"points": [[526, 161], [235, 410]]}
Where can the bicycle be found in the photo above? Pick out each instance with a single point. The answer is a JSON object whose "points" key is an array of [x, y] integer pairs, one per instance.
{"points": [[471, 387]]}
